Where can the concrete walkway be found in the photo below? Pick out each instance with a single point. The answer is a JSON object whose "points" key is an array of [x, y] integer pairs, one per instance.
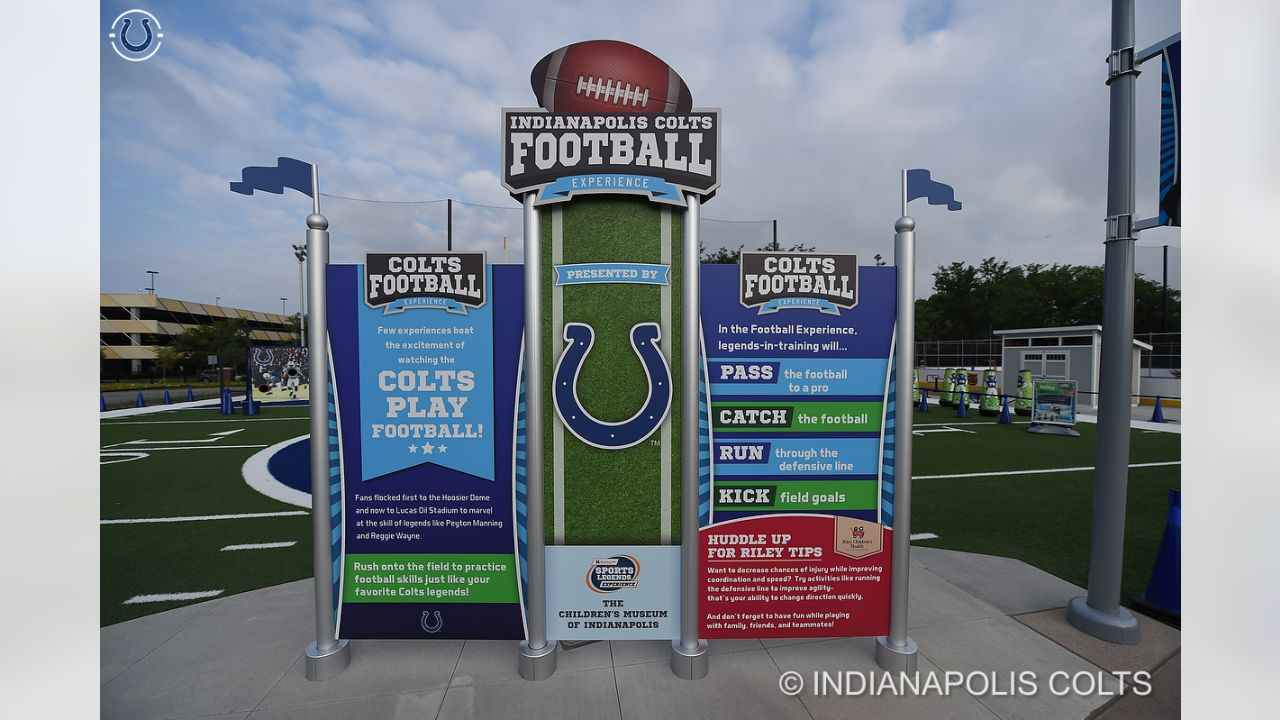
{"points": [[240, 657]]}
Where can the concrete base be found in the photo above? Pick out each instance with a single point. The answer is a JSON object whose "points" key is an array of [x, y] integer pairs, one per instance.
{"points": [[1120, 628], [1053, 430], [322, 666], [895, 659], [689, 665], [537, 664]]}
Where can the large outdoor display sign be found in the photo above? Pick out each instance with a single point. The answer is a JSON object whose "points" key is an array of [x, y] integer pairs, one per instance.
{"points": [[425, 350], [799, 536], [790, 381]]}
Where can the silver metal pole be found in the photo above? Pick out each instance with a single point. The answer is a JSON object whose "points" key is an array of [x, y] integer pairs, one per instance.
{"points": [[1100, 614], [689, 658], [302, 310], [537, 656], [897, 652], [327, 656]]}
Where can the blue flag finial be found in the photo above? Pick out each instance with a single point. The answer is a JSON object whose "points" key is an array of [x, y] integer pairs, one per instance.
{"points": [[288, 173], [920, 185]]}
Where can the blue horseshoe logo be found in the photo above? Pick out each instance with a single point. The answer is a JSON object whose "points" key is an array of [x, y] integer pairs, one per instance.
{"points": [[426, 623], [597, 433], [124, 35]]}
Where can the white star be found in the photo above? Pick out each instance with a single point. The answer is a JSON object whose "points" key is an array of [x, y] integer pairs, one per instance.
{"points": [[413, 448], [427, 447], [442, 448]]}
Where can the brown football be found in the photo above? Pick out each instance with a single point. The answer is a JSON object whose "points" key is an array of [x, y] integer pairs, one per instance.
{"points": [[608, 76]]}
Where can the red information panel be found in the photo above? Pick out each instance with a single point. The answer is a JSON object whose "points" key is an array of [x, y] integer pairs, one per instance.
{"points": [[795, 576]]}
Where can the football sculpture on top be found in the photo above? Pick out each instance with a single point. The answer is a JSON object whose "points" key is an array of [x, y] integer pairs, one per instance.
{"points": [[608, 76]]}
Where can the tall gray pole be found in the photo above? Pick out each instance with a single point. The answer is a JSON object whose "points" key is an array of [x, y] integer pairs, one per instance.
{"points": [[689, 654], [537, 656], [897, 652], [327, 656], [1100, 614], [302, 308]]}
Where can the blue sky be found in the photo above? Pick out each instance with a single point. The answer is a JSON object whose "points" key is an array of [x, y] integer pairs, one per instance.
{"points": [[397, 100]]}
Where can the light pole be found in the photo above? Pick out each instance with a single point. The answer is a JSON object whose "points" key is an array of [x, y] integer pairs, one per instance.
{"points": [[283, 310], [300, 252], [153, 274], [218, 301]]}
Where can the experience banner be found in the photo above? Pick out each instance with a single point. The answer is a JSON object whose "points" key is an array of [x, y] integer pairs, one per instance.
{"points": [[425, 366], [797, 535]]}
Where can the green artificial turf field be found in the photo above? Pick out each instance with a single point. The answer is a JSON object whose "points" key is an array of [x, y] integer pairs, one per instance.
{"points": [[1043, 519], [195, 478], [612, 496]]}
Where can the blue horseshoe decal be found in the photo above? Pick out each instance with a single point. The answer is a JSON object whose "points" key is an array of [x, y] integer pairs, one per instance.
{"points": [[597, 433], [124, 35], [430, 627]]}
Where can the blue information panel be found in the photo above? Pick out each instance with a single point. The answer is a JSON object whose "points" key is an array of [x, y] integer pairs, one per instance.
{"points": [[425, 351]]}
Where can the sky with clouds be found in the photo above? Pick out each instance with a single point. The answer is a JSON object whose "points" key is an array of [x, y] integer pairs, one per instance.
{"points": [[823, 103]]}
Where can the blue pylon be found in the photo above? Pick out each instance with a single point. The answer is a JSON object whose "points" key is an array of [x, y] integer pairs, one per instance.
{"points": [[191, 397], [1164, 590], [961, 403], [226, 407], [1158, 414], [102, 402], [1004, 411], [924, 400], [167, 401], [141, 402]]}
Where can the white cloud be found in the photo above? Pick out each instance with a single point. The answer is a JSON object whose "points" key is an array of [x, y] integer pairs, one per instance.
{"points": [[823, 104]]}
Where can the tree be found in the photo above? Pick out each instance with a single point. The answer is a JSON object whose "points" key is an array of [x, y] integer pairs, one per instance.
{"points": [[168, 358], [972, 302], [224, 338], [725, 256]]}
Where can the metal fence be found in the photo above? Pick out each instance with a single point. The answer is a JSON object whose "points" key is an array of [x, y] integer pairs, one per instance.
{"points": [[980, 353], [1165, 353]]}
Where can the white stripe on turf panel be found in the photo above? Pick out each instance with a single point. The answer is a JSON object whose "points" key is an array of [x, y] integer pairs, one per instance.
{"points": [[273, 545], [1035, 472], [197, 518], [172, 597], [914, 536]]}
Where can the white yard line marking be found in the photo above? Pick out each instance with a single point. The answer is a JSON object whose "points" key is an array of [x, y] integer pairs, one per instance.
{"points": [[195, 447], [195, 518], [104, 458], [257, 474], [213, 438], [943, 429], [172, 597], [1035, 472], [920, 536], [193, 422], [268, 546]]}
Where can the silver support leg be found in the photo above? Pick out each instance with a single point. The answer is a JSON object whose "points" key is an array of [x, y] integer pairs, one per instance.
{"points": [[537, 657], [689, 654], [1100, 614], [327, 656], [897, 652]]}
